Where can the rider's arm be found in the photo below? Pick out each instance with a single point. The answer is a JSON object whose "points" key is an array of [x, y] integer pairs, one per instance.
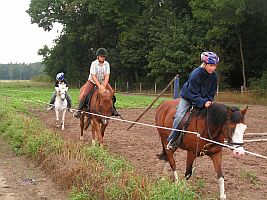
{"points": [[106, 76], [95, 80], [106, 79]]}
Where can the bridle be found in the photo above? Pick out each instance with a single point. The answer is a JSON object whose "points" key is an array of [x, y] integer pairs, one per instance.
{"points": [[62, 94], [228, 133]]}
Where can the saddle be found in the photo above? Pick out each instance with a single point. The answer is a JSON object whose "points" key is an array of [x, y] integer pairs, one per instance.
{"points": [[183, 126], [88, 99]]}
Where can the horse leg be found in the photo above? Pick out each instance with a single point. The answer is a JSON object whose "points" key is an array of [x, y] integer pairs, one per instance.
{"points": [[81, 125], [98, 132], [63, 119], [93, 134], [168, 153], [57, 117], [217, 162], [189, 163], [103, 128]]}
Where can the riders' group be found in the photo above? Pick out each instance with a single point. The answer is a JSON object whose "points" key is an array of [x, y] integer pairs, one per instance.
{"points": [[98, 77]]}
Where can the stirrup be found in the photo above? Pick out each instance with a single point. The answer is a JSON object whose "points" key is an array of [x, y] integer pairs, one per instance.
{"points": [[170, 146], [115, 113]]}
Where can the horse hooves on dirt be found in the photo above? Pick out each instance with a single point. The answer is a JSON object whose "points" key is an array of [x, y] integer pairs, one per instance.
{"points": [[162, 157]]}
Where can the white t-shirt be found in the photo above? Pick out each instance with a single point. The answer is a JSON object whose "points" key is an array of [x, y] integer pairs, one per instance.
{"points": [[99, 71]]}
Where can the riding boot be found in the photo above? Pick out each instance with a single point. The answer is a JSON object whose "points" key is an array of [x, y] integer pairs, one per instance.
{"points": [[78, 112], [51, 103], [114, 112], [175, 141]]}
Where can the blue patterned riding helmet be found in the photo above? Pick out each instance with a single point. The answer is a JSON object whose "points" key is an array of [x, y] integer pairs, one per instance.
{"points": [[60, 76], [209, 58]]}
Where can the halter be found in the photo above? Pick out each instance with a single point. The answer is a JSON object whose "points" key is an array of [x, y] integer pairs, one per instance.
{"points": [[228, 135], [237, 144]]}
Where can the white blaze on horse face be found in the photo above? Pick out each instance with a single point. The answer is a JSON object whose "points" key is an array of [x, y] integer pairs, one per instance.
{"points": [[238, 138], [62, 96]]}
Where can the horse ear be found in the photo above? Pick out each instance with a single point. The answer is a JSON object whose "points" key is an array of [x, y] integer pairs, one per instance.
{"points": [[229, 111], [244, 110]]}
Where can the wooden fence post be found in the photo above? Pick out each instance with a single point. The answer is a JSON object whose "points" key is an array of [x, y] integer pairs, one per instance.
{"points": [[153, 102]]}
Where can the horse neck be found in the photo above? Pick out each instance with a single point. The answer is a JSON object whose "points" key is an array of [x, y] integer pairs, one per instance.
{"points": [[202, 123], [95, 102]]}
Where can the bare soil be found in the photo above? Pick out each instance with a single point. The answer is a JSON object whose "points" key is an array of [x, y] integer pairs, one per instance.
{"points": [[245, 178], [21, 179]]}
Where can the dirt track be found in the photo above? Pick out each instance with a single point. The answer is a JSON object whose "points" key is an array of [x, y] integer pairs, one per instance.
{"points": [[245, 178], [21, 179]]}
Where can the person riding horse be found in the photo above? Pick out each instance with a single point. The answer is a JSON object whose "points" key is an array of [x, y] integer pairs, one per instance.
{"points": [[199, 91], [59, 80], [99, 76]]}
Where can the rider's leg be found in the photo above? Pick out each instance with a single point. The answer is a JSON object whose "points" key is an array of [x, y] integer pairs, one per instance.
{"points": [[68, 97], [52, 101], [183, 106], [114, 112], [86, 89]]}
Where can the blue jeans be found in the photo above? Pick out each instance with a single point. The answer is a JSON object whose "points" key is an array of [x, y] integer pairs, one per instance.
{"points": [[182, 108]]}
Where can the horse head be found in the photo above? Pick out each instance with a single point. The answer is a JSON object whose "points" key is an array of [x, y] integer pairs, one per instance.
{"points": [[105, 105], [236, 128], [231, 121], [61, 91]]}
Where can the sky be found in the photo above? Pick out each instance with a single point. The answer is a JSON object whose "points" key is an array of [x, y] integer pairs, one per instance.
{"points": [[19, 39]]}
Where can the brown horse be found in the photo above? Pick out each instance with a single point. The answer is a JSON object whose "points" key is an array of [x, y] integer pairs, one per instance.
{"points": [[216, 123], [100, 104]]}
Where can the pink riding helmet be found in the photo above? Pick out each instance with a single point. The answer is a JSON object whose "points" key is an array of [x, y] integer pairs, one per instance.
{"points": [[209, 58]]}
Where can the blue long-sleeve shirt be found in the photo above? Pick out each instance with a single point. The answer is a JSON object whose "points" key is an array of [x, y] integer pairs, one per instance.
{"points": [[200, 87]]}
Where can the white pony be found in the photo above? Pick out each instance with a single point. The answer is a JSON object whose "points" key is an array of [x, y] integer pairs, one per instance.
{"points": [[61, 104]]}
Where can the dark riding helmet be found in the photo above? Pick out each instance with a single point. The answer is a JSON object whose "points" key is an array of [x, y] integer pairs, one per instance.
{"points": [[60, 76], [102, 52], [209, 58]]}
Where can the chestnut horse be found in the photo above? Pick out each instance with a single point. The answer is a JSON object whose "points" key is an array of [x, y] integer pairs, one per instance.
{"points": [[100, 104], [216, 123]]}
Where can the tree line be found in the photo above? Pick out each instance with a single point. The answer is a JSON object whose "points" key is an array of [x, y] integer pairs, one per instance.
{"points": [[21, 71], [153, 40]]}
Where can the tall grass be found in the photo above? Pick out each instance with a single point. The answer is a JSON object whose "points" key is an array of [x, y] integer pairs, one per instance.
{"points": [[249, 97]]}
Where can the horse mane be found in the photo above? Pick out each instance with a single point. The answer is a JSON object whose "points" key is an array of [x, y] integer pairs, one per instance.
{"points": [[218, 114]]}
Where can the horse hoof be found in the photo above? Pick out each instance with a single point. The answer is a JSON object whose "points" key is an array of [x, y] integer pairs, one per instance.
{"points": [[93, 142], [223, 197], [63, 129], [81, 138], [188, 176]]}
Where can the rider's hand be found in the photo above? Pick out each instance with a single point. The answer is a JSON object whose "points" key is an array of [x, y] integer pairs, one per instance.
{"points": [[102, 89], [207, 104]]}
